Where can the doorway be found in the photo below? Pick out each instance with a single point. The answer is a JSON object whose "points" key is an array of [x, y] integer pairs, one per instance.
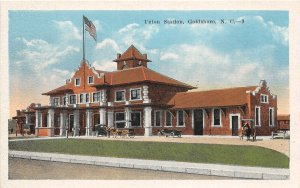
{"points": [[235, 125], [71, 122], [198, 122]]}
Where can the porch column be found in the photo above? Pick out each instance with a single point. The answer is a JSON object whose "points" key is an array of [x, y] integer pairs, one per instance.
{"points": [[102, 112], [27, 118], [37, 121], [76, 123], [110, 118], [127, 117], [51, 122], [146, 94], [88, 127], [103, 100], [62, 124], [147, 121]]}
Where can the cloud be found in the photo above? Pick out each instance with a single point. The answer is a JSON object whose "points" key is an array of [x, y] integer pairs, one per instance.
{"points": [[40, 54], [108, 43], [209, 68], [105, 65], [128, 28], [69, 30], [169, 56], [135, 34]]}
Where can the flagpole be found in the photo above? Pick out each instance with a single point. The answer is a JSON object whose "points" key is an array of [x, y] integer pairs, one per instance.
{"points": [[83, 49]]}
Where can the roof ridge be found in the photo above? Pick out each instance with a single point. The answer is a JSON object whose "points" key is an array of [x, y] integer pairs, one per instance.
{"points": [[220, 89], [167, 77]]}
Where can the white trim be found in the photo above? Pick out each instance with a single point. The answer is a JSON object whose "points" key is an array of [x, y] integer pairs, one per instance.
{"points": [[75, 82], [193, 121], [54, 102], [88, 78], [160, 114], [124, 95], [119, 121], [140, 118], [141, 98], [88, 98], [264, 97], [213, 118], [271, 108], [239, 120], [83, 98], [167, 111], [63, 100], [70, 99], [177, 118], [259, 116], [92, 97]]}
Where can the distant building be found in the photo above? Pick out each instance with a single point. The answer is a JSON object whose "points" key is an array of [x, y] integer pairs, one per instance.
{"points": [[137, 97], [283, 122], [12, 125]]}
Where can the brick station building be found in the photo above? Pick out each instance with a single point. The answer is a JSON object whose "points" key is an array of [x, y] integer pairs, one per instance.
{"points": [[137, 97]]}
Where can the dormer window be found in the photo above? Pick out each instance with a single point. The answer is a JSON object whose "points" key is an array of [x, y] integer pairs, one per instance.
{"points": [[120, 96], [90, 79], [81, 98], [56, 101], [72, 99], [264, 98], [77, 81], [135, 94]]}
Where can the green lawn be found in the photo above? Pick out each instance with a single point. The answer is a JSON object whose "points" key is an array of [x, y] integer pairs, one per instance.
{"points": [[199, 153]]}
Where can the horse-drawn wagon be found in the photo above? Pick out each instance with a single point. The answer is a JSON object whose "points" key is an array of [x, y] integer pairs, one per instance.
{"points": [[248, 130], [103, 130]]}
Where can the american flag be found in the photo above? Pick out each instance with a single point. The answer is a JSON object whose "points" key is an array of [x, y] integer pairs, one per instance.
{"points": [[90, 27]]}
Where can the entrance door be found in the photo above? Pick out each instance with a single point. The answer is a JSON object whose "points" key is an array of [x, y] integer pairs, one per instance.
{"points": [[71, 122], [198, 122], [235, 125]]}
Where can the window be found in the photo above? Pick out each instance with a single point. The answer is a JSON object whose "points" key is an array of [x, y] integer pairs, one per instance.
{"points": [[271, 117], [168, 119], [90, 79], [120, 120], [157, 118], [257, 116], [65, 101], [217, 117], [81, 98], [135, 119], [87, 98], [77, 82], [180, 118], [135, 94], [72, 99], [56, 101], [120, 95], [96, 97], [264, 98]]}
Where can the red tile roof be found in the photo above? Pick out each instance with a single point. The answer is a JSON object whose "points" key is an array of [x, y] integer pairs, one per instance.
{"points": [[137, 75], [131, 53], [213, 98], [58, 90]]}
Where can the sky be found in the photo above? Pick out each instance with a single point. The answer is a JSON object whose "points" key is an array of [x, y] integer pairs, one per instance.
{"points": [[45, 48]]}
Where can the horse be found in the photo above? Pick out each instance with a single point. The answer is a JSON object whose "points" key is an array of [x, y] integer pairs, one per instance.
{"points": [[248, 131]]}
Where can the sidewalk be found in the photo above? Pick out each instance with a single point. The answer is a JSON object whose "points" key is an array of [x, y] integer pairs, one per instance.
{"points": [[169, 166]]}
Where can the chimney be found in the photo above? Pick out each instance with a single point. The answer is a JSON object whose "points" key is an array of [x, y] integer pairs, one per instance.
{"points": [[118, 55], [145, 56]]}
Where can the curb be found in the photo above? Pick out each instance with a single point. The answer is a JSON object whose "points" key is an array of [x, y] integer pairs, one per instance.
{"points": [[167, 166]]}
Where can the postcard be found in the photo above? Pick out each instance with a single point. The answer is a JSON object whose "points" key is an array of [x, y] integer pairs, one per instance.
{"points": [[97, 93]]}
